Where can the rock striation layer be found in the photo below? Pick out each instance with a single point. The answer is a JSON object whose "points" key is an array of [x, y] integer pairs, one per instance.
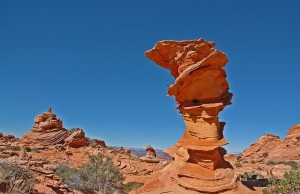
{"points": [[201, 91], [76, 138]]}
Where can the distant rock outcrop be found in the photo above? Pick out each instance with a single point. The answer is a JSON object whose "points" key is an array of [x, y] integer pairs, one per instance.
{"points": [[8, 138], [150, 155], [124, 151], [271, 148], [201, 91], [48, 130]]}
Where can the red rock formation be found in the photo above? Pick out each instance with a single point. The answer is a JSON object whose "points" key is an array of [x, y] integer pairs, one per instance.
{"points": [[150, 155], [201, 91], [47, 130], [76, 139], [293, 136], [263, 144], [7, 138], [271, 147], [150, 152], [125, 151]]}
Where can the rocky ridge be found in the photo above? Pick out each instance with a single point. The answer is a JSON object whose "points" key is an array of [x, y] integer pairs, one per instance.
{"points": [[48, 145], [271, 148]]}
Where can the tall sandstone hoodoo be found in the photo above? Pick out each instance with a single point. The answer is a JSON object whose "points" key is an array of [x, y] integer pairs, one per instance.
{"points": [[201, 91]]}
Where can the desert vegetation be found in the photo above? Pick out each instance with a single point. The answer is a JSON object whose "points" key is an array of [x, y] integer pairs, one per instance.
{"points": [[98, 174], [130, 186], [265, 154], [289, 184], [293, 164], [14, 179]]}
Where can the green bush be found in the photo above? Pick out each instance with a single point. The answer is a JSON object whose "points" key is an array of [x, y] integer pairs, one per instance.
{"points": [[27, 149], [252, 176], [110, 148], [289, 184], [265, 154], [98, 174], [270, 162], [15, 179], [238, 164], [293, 164], [91, 142], [130, 186]]}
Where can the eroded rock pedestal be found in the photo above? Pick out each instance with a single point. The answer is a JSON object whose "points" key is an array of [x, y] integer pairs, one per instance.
{"points": [[48, 130], [201, 91], [150, 155]]}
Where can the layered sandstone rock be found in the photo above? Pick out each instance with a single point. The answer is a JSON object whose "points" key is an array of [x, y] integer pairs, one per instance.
{"points": [[293, 137], [100, 143], [76, 139], [6, 139], [150, 155], [47, 130], [201, 91], [263, 144], [271, 148], [125, 151]]}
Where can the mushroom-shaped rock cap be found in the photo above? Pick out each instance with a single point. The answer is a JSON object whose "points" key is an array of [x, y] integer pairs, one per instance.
{"points": [[197, 67]]}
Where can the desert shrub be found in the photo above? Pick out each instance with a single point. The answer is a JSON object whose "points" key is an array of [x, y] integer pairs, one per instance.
{"points": [[98, 174], [13, 148], [73, 129], [253, 161], [238, 164], [130, 186], [270, 162], [92, 142], [289, 184], [259, 168], [246, 162], [293, 164], [34, 149], [110, 148], [239, 157], [252, 176], [16, 179], [265, 154], [27, 149]]}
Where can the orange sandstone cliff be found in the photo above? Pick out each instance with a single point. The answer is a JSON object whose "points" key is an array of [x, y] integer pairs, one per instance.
{"points": [[201, 91], [271, 148]]}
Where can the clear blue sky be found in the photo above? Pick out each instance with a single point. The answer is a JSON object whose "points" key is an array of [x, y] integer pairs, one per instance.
{"points": [[85, 59]]}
